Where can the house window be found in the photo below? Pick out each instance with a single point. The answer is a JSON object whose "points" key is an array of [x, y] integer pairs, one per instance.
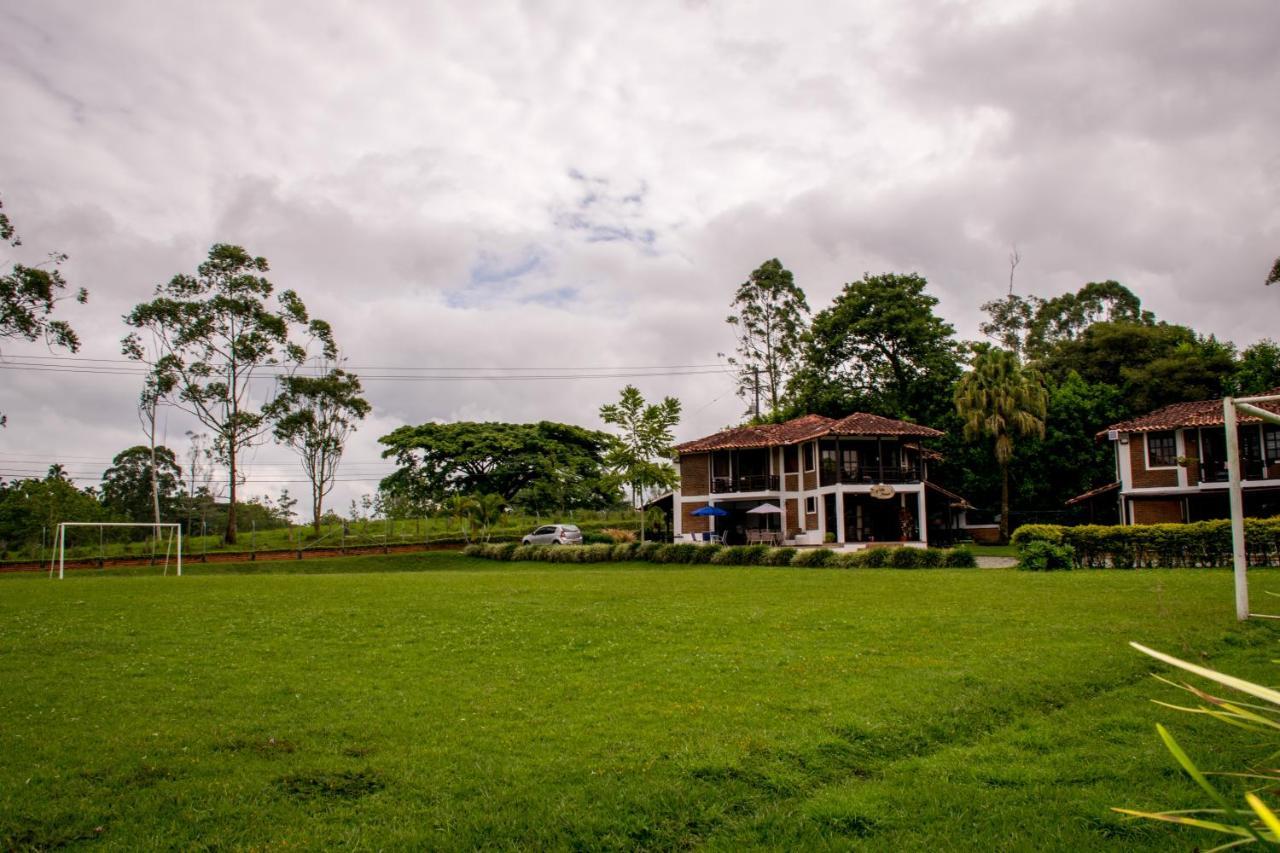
{"points": [[1271, 438], [790, 459], [811, 504], [1162, 449], [808, 456]]}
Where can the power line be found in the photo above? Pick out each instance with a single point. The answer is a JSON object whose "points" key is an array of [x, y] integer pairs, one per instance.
{"points": [[28, 367]]}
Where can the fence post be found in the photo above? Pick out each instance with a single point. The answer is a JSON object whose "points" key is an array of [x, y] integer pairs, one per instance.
{"points": [[102, 554], [386, 529], [253, 540]]}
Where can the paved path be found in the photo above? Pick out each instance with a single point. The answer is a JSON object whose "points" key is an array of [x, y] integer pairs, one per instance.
{"points": [[997, 562]]}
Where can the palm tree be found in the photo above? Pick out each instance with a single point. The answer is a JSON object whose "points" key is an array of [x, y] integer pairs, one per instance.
{"points": [[460, 508], [999, 398], [487, 511]]}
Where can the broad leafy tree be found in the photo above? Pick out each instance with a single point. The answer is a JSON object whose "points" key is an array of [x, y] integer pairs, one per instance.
{"points": [[880, 347], [769, 318], [28, 296], [1257, 369], [216, 333], [135, 486], [1001, 400], [1030, 326], [314, 416], [1273, 277], [31, 509], [642, 452], [469, 458]]}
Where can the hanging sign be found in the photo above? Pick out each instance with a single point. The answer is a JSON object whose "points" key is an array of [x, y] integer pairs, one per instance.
{"points": [[882, 491]]}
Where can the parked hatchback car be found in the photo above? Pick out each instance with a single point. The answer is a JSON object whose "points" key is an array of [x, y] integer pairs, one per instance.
{"points": [[554, 534]]}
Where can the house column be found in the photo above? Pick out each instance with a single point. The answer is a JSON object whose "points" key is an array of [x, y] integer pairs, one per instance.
{"points": [[840, 516], [822, 517], [677, 512], [922, 520]]}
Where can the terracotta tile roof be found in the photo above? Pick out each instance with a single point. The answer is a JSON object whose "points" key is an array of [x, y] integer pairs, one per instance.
{"points": [[861, 423], [803, 429], [1200, 413], [1093, 493]]}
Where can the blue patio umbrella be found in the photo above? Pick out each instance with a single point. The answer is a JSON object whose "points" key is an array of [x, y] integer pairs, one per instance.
{"points": [[709, 510]]}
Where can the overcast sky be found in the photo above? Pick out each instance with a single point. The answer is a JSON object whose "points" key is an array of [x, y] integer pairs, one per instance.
{"points": [[504, 185]]}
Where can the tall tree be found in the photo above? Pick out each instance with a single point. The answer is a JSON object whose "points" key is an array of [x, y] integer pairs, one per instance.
{"points": [[879, 347], [1258, 369], [1000, 399], [28, 296], [315, 415], [641, 455], [135, 485], [1030, 326], [438, 460], [216, 333], [769, 317], [1273, 277]]}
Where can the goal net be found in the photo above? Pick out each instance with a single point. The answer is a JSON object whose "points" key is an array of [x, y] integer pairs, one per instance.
{"points": [[172, 541], [1232, 408]]}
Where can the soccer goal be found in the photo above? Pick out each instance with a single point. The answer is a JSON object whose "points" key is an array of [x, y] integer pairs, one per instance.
{"points": [[1232, 408], [175, 533]]}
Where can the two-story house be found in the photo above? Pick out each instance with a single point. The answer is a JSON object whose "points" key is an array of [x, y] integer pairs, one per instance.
{"points": [[859, 479], [1171, 465]]}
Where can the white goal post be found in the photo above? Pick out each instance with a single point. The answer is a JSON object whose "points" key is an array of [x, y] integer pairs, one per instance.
{"points": [[60, 539], [1231, 408]]}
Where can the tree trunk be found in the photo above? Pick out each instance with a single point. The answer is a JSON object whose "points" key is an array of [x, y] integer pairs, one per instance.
{"points": [[317, 502], [1004, 504], [230, 537]]}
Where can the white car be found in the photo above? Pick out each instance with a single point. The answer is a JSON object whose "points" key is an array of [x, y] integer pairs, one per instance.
{"points": [[554, 534]]}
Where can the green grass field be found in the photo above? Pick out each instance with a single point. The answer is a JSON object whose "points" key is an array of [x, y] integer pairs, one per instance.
{"points": [[431, 701]]}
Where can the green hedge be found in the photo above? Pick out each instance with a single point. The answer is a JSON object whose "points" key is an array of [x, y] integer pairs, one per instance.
{"points": [[1175, 546], [729, 555]]}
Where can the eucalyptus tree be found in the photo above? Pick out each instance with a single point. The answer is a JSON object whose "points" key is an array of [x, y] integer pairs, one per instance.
{"points": [[314, 415], [642, 452], [769, 317], [1000, 399], [216, 334]]}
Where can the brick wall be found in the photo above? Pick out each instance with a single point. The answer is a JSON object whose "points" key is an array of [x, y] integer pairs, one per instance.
{"points": [[1142, 478], [694, 474], [1157, 511], [792, 507], [792, 482], [810, 480], [690, 523]]}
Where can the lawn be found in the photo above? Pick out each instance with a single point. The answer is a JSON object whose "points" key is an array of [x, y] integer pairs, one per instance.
{"points": [[431, 701]]}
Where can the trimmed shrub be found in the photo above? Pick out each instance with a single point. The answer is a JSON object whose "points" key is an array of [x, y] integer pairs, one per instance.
{"points": [[731, 555], [850, 559], [601, 552], [812, 558], [591, 537], [476, 550], [645, 551], [905, 558], [706, 553], [500, 551], [624, 551], [753, 555], [960, 558], [1037, 533], [524, 553], [678, 552], [930, 558], [1045, 557], [778, 557], [876, 558]]}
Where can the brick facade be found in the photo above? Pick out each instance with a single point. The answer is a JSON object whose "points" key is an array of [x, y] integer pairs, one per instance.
{"points": [[792, 508], [695, 475], [1157, 511], [1143, 478]]}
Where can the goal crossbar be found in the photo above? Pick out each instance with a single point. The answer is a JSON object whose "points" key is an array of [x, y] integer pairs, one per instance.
{"points": [[1231, 409], [61, 539]]}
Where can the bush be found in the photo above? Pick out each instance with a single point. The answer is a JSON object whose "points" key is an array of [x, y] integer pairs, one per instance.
{"points": [[960, 558], [731, 555], [1037, 533], [624, 551], [929, 558], [903, 557], [678, 552], [645, 551], [850, 559], [706, 553], [591, 537], [778, 557], [599, 553], [501, 551], [876, 558], [523, 553], [473, 551], [618, 536], [812, 558], [1045, 557]]}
